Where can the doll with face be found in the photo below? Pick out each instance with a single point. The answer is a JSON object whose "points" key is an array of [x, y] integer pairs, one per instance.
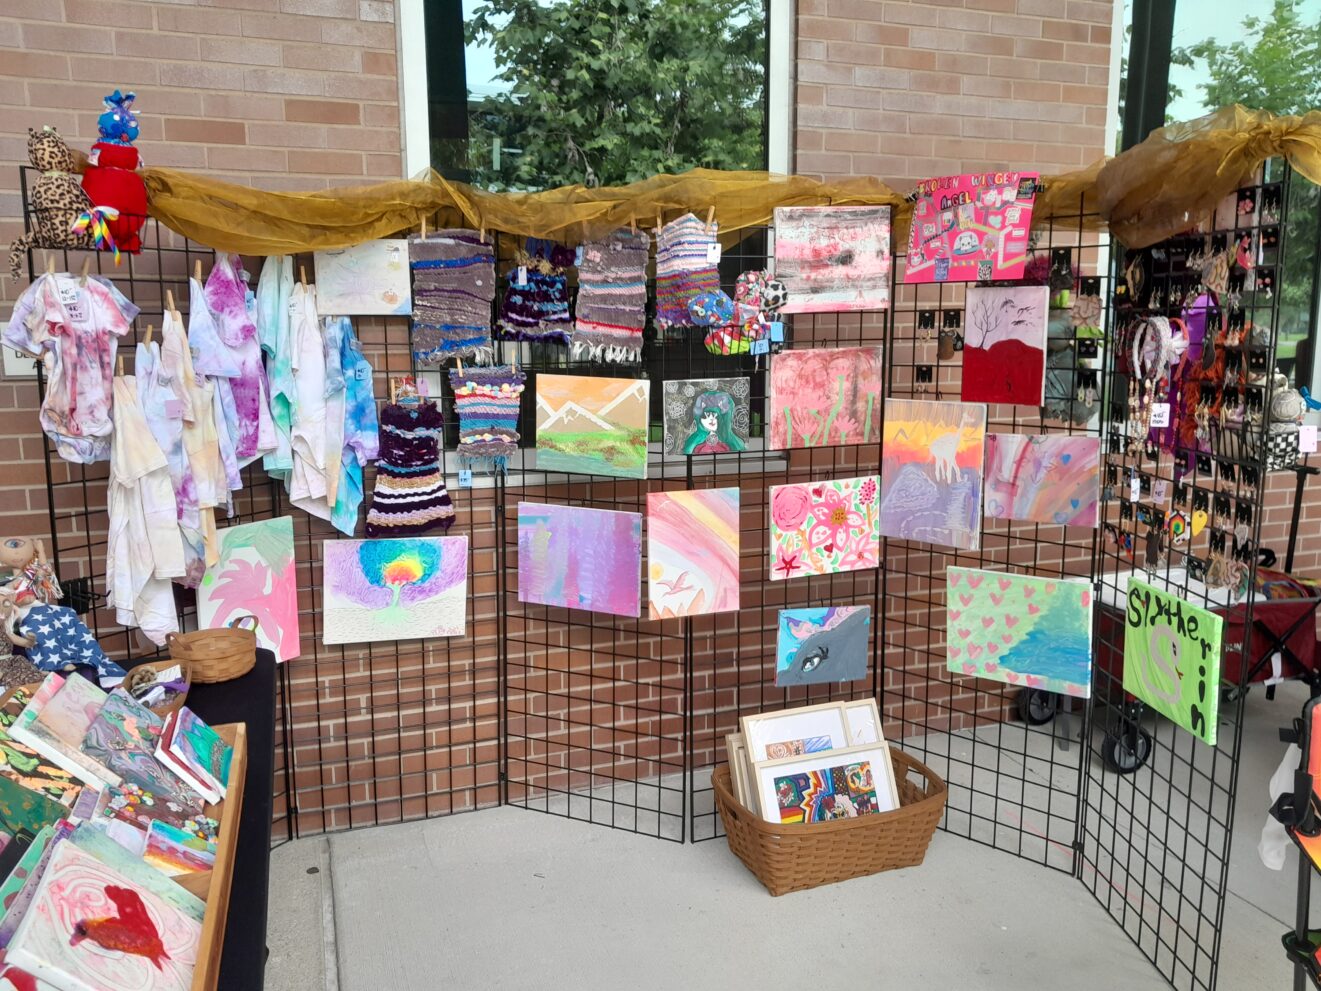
{"points": [[25, 569], [713, 426]]}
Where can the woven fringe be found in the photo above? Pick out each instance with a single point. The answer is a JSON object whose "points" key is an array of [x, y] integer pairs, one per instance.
{"points": [[549, 334], [611, 353]]}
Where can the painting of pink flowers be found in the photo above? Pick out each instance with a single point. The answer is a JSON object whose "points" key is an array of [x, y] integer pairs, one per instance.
{"points": [[820, 528], [825, 397], [833, 258], [255, 576]]}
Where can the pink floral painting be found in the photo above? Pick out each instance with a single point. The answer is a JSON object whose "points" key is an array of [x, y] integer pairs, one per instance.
{"points": [[820, 528], [825, 397], [255, 576]]}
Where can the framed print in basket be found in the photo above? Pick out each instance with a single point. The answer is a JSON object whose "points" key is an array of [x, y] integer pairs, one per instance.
{"points": [[793, 732], [820, 787]]}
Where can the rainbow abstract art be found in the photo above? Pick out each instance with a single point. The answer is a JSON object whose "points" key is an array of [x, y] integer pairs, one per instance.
{"points": [[692, 552], [580, 558], [842, 792], [1046, 478], [394, 589]]}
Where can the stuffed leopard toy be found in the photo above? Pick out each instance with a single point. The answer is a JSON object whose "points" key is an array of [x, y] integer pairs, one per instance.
{"points": [[56, 199]]}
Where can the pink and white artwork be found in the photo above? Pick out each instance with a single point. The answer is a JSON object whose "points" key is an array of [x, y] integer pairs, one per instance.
{"points": [[820, 528], [833, 258], [824, 397], [1047, 478], [580, 558], [692, 552], [255, 576]]}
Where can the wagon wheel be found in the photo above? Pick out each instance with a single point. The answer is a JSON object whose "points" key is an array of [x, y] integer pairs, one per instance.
{"points": [[1124, 755], [1037, 707]]}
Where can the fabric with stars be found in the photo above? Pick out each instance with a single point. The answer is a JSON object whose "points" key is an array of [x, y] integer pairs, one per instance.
{"points": [[64, 641]]}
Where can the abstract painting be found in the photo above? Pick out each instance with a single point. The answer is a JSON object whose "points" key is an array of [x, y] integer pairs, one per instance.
{"points": [[24, 765], [820, 528], [844, 791], [369, 279], [255, 576], [1025, 631], [592, 426], [394, 589], [23, 811], [971, 228], [821, 645], [1043, 478], [1172, 657], [1004, 354], [706, 416], [173, 851], [824, 397], [833, 258], [692, 552], [781, 749], [931, 472], [580, 558], [90, 927]]}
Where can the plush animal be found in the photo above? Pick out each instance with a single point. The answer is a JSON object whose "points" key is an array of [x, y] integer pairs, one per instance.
{"points": [[111, 179], [55, 200]]}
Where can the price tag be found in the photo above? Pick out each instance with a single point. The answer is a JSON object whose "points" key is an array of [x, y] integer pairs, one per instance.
{"points": [[578, 255], [1160, 489], [1307, 438], [713, 252], [522, 275], [777, 332], [68, 294], [761, 346], [1160, 414], [465, 479], [1134, 488]]}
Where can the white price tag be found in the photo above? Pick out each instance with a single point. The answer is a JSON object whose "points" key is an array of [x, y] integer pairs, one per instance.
{"points": [[1134, 488], [1160, 414], [1307, 438], [522, 275], [68, 294], [713, 252], [1159, 490]]}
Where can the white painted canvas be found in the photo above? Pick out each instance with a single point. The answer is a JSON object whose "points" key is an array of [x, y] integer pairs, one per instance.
{"points": [[369, 279], [396, 588]]}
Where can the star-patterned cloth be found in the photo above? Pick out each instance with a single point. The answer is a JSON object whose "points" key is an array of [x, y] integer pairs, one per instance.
{"points": [[63, 642]]}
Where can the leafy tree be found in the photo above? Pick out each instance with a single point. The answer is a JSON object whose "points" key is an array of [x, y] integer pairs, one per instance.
{"points": [[611, 91]]}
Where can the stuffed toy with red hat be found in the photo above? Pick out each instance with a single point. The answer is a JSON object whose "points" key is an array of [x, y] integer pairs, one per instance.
{"points": [[118, 194]]}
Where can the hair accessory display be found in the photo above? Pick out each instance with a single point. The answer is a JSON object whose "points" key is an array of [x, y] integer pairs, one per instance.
{"points": [[453, 288], [757, 297], [612, 298], [488, 401], [686, 255], [536, 302], [410, 496]]}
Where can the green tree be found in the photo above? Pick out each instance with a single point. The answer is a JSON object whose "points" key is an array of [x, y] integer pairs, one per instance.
{"points": [[611, 91]]}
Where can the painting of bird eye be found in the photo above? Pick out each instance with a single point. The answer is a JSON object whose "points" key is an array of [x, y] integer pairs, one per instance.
{"points": [[1004, 353], [592, 425], [822, 645], [580, 558], [824, 397], [255, 576], [931, 472], [833, 258], [706, 416], [820, 528], [1046, 478], [692, 552], [394, 589], [88, 927]]}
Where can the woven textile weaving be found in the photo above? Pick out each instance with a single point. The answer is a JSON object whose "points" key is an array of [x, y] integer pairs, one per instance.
{"points": [[453, 289]]}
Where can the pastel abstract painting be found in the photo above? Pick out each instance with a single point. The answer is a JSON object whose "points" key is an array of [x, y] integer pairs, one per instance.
{"points": [[580, 558], [822, 645], [931, 472], [1043, 478], [592, 426], [706, 416], [1004, 354], [819, 528], [1025, 631], [833, 258], [394, 589], [255, 576], [692, 552], [824, 397], [366, 279]]}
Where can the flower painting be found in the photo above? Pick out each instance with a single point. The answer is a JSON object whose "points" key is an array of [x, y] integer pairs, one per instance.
{"points": [[692, 552], [820, 528], [824, 397], [580, 558], [833, 258], [255, 576], [394, 589], [931, 472], [706, 416], [1043, 478], [1004, 357], [592, 425]]}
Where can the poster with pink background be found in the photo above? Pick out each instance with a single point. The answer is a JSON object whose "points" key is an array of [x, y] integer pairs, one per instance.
{"points": [[971, 228]]}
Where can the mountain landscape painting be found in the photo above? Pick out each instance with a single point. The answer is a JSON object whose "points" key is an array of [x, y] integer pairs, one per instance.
{"points": [[592, 426]]}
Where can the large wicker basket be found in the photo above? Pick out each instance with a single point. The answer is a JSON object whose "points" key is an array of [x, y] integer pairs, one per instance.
{"points": [[797, 856], [217, 655]]}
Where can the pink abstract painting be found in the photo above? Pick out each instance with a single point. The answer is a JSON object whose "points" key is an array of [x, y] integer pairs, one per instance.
{"points": [[971, 228], [580, 558], [824, 397], [1050, 478], [833, 258], [255, 576], [692, 552]]}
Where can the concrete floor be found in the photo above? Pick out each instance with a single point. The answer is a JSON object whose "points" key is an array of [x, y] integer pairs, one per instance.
{"points": [[513, 899]]}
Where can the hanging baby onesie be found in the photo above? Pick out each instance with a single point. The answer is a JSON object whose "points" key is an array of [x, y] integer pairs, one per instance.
{"points": [[201, 443], [453, 288], [144, 550], [612, 298], [75, 329], [349, 401], [274, 299], [536, 301], [487, 401], [685, 249], [307, 481], [250, 414], [410, 496], [214, 361]]}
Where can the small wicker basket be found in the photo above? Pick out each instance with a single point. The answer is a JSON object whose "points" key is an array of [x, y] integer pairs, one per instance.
{"points": [[148, 669], [793, 857], [217, 655]]}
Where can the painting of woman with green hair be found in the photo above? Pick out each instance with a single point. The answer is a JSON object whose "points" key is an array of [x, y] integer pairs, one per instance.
{"points": [[713, 426], [706, 416]]}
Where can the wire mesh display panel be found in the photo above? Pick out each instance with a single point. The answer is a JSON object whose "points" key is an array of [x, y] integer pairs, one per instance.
{"points": [[1184, 516]]}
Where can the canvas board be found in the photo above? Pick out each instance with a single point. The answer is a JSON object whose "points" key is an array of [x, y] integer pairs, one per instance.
{"points": [[1043, 478], [256, 576], [580, 558], [824, 397], [395, 588], [833, 258], [592, 425], [823, 645], [368, 279], [1004, 352], [820, 528], [971, 227], [692, 552], [706, 416]]}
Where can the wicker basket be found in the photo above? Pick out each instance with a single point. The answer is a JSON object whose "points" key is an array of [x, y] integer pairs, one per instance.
{"points": [[163, 709], [217, 655], [794, 857]]}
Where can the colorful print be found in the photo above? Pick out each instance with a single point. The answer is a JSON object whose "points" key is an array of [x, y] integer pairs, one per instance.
{"points": [[173, 851], [1025, 631], [103, 846], [255, 576], [368, 279], [592, 426], [843, 792], [23, 812], [395, 588], [819, 528], [931, 472], [706, 416], [1046, 478], [833, 258], [797, 748], [822, 645], [1172, 652], [123, 737], [1004, 354], [580, 558], [824, 397], [692, 552], [21, 764], [971, 228]]}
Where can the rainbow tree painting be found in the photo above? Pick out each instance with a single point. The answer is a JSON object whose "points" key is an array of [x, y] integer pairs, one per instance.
{"points": [[395, 589]]}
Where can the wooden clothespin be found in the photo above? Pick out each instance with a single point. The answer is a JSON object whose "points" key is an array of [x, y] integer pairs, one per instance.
{"points": [[302, 275], [710, 216], [422, 228], [197, 270], [392, 382], [147, 339], [119, 365], [169, 301], [482, 235], [659, 224], [87, 267], [632, 225], [50, 263], [459, 361]]}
